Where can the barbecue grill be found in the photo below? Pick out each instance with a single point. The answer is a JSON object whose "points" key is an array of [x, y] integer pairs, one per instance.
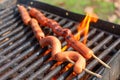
{"points": [[22, 58]]}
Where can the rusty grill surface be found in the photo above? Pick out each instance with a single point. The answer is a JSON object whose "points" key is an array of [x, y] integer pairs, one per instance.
{"points": [[21, 57]]}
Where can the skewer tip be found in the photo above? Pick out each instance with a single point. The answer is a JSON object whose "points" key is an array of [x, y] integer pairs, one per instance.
{"points": [[29, 7], [103, 63], [18, 5], [92, 73]]}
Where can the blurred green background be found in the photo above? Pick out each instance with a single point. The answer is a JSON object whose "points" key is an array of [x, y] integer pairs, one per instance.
{"points": [[105, 9]]}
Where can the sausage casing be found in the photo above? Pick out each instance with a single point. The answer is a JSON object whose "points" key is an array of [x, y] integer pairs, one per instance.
{"points": [[24, 14]]}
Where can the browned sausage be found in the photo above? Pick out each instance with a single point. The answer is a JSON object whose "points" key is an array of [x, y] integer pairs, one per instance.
{"points": [[80, 47], [53, 41], [36, 28], [24, 14], [80, 62], [42, 20]]}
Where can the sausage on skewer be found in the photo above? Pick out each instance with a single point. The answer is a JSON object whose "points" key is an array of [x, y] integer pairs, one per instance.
{"points": [[80, 61], [80, 47], [76, 59]]}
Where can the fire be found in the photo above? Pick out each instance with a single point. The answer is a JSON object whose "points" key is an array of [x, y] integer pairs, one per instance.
{"points": [[84, 26], [46, 52]]}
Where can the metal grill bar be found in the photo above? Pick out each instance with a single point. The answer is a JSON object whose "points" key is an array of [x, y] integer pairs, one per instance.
{"points": [[56, 18], [95, 39], [102, 43], [15, 52], [14, 38], [10, 22], [55, 71], [44, 68], [9, 16], [7, 10], [11, 27], [65, 74]]}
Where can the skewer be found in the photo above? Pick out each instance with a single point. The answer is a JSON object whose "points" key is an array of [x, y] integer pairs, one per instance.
{"points": [[86, 70], [94, 56], [99, 60], [18, 5]]}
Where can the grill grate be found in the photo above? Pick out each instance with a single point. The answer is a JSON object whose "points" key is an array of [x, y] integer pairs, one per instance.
{"points": [[21, 57]]}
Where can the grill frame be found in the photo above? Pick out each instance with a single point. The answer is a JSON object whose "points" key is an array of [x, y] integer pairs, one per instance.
{"points": [[108, 26], [74, 17]]}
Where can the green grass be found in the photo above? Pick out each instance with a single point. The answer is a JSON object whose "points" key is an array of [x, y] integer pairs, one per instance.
{"points": [[102, 8]]}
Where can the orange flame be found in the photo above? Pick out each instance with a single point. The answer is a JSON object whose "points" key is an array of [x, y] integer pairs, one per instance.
{"points": [[90, 17]]}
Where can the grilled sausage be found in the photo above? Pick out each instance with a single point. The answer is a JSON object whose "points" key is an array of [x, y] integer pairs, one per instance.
{"points": [[24, 14], [37, 14], [36, 28], [44, 41], [78, 46], [53, 41], [80, 61]]}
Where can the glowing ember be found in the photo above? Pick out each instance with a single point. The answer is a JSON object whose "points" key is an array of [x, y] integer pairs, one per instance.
{"points": [[64, 48], [46, 52]]}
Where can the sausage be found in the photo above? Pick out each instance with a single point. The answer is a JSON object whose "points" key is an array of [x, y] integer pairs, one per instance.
{"points": [[36, 28], [80, 61], [78, 46], [54, 42], [37, 14], [24, 14], [44, 41]]}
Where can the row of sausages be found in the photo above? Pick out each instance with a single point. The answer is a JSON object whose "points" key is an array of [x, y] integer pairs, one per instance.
{"points": [[57, 54], [79, 60]]}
